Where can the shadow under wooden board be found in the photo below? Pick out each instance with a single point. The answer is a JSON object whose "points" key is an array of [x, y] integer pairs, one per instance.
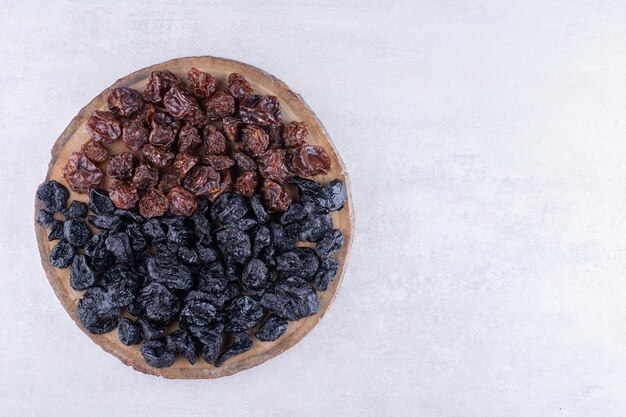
{"points": [[293, 108]]}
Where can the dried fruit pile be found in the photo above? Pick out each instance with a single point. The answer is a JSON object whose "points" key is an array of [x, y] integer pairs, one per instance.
{"points": [[184, 258]]}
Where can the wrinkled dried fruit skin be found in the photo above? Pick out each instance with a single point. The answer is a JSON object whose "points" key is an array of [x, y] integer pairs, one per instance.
{"points": [[169, 272], [273, 165], [159, 303], [156, 354], [146, 176], [201, 84], [56, 230], [62, 254], [158, 84], [180, 103], [168, 181], [121, 166], [95, 312], [246, 183], [315, 227], [135, 134], [202, 180], [275, 196], [149, 329], [53, 196], [295, 213], [153, 203], [119, 245], [273, 328], [244, 313], [163, 130], [81, 174], [337, 194], [232, 128], [229, 208], [326, 273], [275, 132], [238, 86], [310, 160], [214, 141], [182, 202], [124, 102], [159, 157], [255, 275], [44, 218], [218, 162], [123, 195], [244, 162], [295, 134], [291, 299], [330, 243], [99, 202], [183, 163], [255, 140], [128, 332], [221, 104], [241, 344], [95, 151], [260, 110], [180, 342], [77, 209], [76, 232], [234, 244], [188, 138], [226, 185], [104, 126], [121, 284]]}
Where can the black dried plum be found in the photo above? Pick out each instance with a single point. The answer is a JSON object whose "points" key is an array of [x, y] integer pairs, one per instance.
{"points": [[96, 313], [326, 273], [44, 218], [330, 243], [77, 209], [149, 329], [159, 303], [234, 244], [56, 230], [291, 299], [153, 230], [99, 201], [242, 343], [119, 245], [97, 252], [62, 254], [180, 342], [76, 232], [315, 227], [82, 275], [273, 328], [197, 313], [258, 208], [336, 190], [53, 196], [243, 313], [137, 240], [169, 271], [121, 284], [128, 332], [284, 237], [105, 221], [255, 276], [294, 213], [229, 208], [156, 354]]}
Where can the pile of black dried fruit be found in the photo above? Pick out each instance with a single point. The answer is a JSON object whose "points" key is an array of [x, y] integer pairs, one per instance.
{"points": [[197, 286], [190, 139]]}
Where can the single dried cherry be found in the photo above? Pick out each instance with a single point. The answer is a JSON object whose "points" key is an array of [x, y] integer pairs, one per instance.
{"points": [[275, 196], [81, 174], [124, 102], [255, 140], [232, 128], [309, 160], [146, 176], [214, 141], [135, 134], [244, 162], [218, 162], [246, 183], [273, 165], [182, 202], [123, 195], [260, 110], [238, 86], [159, 157], [153, 203], [295, 134], [188, 137], [104, 126], [201, 84], [95, 151], [121, 165], [158, 84], [180, 103], [183, 163], [164, 130], [221, 104], [202, 180]]}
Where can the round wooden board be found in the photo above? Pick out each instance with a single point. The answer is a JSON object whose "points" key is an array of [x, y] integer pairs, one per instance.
{"points": [[293, 108]]}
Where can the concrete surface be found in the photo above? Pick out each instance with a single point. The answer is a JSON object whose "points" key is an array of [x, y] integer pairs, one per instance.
{"points": [[485, 142]]}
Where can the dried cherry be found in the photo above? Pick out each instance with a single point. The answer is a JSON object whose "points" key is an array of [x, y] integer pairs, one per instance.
{"points": [[246, 183], [255, 140], [260, 110], [121, 166], [146, 176], [81, 174], [104, 126], [202, 180], [188, 138], [238, 86], [153, 203], [95, 151], [180, 103], [201, 84], [182, 202], [218, 162], [214, 141], [276, 197], [295, 134], [221, 104], [135, 134], [168, 181], [309, 160], [124, 102], [123, 194], [273, 165], [183, 163], [158, 84], [159, 157], [232, 128]]}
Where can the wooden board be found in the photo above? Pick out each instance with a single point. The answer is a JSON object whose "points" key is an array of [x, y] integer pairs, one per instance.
{"points": [[293, 108]]}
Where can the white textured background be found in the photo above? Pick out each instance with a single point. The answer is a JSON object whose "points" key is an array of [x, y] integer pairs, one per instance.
{"points": [[485, 141]]}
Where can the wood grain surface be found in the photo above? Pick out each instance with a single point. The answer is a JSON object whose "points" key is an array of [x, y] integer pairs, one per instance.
{"points": [[293, 108]]}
